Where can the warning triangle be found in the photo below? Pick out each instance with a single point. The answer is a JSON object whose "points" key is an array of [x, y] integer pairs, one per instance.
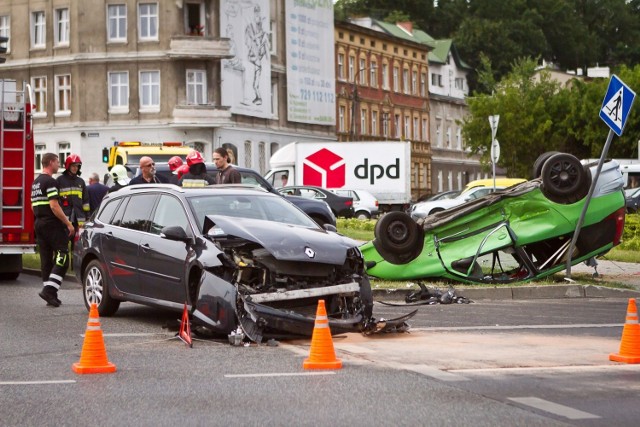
{"points": [[613, 108]]}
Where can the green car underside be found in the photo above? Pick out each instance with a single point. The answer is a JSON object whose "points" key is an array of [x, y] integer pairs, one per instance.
{"points": [[528, 223]]}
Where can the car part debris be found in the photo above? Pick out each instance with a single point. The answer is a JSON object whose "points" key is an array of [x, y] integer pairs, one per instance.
{"points": [[429, 296]]}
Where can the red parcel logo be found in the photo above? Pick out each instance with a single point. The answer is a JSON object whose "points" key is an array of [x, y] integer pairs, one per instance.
{"points": [[324, 168]]}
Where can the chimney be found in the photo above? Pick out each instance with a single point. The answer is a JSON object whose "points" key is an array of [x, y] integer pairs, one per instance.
{"points": [[407, 26]]}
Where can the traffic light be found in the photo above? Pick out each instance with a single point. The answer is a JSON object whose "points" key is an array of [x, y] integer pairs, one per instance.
{"points": [[105, 155], [3, 48]]}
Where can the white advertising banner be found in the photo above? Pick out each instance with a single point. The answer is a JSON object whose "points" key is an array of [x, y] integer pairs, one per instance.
{"points": [[246, 77], [311, 77]]}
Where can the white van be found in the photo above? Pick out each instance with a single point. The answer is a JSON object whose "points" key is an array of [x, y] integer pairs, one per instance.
{"points": [[631, 175]]}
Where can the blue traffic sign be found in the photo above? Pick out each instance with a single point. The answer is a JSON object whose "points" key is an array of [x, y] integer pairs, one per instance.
{"points": [[617, 104]]}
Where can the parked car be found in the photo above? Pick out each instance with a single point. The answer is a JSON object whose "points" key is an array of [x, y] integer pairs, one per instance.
{"points": [[340, 205], [516, 234], [424, 209], [318, 210], [237, 256], [443, 195], [632, 199], [365, 204]]}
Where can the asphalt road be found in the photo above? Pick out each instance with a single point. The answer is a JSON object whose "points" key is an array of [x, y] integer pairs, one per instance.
{"points": [[493, 363]]}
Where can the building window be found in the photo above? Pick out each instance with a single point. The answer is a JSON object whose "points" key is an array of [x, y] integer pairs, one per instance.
{"points": [[385, 124], [63, 95], [148, 21], [436, 79], [5, 30], [439, 133], [38, 30], [196, 87], [194, 18], [448, 141], [341, 66], [273, 30], [423, 84], [385, 76], [39, 85], [416, 129], [118, 92], [61, 36], [64, 151], [274, 99], [150, 91], [374, 74], [248, 154], [414, 83], [362, 72], [396, 125], [40, 150], [352, 65], [459, 83], [396, 82], [374, 123], [262, 157], [405, 81], [407, 128], [424, 129], [341, 115], [117, 22], [363, 122], [459, 139]]}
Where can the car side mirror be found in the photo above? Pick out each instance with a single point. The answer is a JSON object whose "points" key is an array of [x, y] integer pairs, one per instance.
{"points": [[330, 227], [174, 232]]}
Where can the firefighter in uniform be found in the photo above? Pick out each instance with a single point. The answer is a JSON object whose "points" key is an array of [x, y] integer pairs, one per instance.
{"points": [[174, 164], [197, 175], [53, 229], [73, 192]]}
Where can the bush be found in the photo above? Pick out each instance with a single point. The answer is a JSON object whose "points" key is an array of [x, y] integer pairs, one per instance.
{"points": [[356, 224]]}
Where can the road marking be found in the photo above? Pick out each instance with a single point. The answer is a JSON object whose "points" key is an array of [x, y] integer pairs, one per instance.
{"points": [[515, 327], [135, 334], [280, 374], [36, 382], [553, 408], [552, 368], [433, 372], [353, 348]]}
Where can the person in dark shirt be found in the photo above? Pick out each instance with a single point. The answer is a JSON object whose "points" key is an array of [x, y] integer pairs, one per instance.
{"points": [[227, 174], [73, 191], [96, 191], [197, 175], [148, 175], [52, 228]]}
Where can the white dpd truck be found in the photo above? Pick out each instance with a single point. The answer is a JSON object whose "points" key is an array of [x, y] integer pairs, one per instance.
{"points": [[381, 168]]}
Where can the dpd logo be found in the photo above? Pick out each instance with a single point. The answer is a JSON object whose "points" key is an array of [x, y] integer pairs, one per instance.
{"points": [[324, 168]]}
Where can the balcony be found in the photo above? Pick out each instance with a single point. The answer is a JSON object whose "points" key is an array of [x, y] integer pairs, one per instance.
{"points": [[199, 47], [200, 116]]}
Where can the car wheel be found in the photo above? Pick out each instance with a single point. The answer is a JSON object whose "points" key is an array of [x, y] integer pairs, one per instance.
{"points": [[399, 238], [95, 289], [564, 179], [363, 215], [537, 165]]}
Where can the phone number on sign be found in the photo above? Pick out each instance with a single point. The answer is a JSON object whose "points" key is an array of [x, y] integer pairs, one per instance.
{"points": [[316, 95]]}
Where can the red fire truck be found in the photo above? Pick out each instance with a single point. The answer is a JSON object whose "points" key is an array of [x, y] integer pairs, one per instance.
{"points": [[16, 176]]}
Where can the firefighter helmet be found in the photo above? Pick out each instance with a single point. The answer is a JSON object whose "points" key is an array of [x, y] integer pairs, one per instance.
{"points": [[119, 174], [175, 162], [73, 159], [182, 170], [194, 157]]}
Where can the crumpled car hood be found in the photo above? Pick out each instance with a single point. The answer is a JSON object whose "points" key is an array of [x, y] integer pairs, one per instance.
{"points": [[284, 241]]}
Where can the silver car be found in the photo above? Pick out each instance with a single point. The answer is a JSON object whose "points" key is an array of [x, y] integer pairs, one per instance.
{"points": [[365, 204]]}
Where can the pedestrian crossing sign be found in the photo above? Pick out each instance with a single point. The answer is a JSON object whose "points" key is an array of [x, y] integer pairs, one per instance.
{"points": [[617, 104]]}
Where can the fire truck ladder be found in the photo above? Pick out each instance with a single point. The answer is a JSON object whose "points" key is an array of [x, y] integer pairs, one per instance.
{"points": [[13, 144]]}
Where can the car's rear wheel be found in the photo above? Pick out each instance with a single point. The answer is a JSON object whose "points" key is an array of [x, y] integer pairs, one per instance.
{"points": [[399, 238], [537, 165], [363, 215], [564, 179], [95, 289]]}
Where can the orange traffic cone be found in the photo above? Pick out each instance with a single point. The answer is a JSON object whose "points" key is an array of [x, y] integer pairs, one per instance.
{"points": [[185, 328], [630, 345], [322, 355], [93, 359]]}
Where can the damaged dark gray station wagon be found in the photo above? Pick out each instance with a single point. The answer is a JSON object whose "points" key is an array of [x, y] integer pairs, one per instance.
{"points": [[237, 256]]}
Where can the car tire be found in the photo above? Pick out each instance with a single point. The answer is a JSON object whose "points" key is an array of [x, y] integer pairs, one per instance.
{"points": [[564, 179], [399, 238], [537, 165], [96, 290], [362, 215]]}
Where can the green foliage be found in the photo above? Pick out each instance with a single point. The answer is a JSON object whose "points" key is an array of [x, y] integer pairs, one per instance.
{"points": [[356, 224], [631, 233]]}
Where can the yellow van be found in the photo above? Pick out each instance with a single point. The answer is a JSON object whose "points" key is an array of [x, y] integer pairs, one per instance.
{"points": [[488, 182]]}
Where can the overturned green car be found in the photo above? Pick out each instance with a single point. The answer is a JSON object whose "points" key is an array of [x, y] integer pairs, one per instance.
{"points": [[517, 234]]}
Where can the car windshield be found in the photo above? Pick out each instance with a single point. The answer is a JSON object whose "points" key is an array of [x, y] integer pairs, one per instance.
{"points": [[259, 206]]}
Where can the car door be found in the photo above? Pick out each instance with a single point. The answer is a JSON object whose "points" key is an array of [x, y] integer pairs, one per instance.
{"points": [[163, 262], [121, 240]]}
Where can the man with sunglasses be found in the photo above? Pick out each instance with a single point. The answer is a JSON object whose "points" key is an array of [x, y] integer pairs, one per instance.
{"points": [[148, 173]]}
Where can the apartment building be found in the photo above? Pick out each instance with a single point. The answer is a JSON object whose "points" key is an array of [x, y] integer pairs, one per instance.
{"points": [[382, 92], [207, 73]]}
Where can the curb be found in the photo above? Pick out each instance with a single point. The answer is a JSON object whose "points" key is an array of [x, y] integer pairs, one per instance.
{"points": [[520, 293]]}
